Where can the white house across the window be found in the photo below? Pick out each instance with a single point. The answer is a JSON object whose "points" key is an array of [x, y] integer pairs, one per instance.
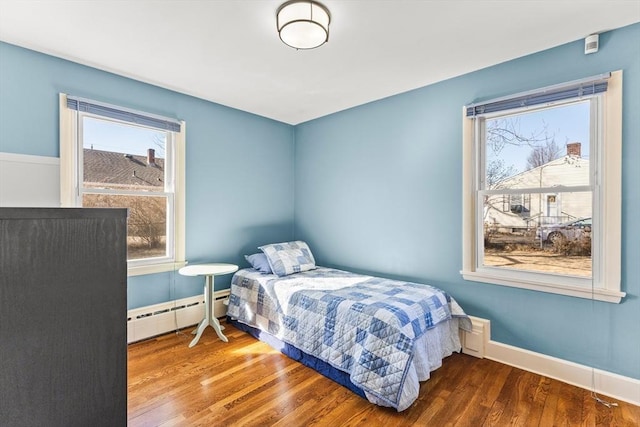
{"points": [[115, 157], [541, 189]]}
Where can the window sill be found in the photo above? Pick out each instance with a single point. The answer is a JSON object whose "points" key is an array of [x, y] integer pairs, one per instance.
{"points": [[140, 270], [598, 294]]}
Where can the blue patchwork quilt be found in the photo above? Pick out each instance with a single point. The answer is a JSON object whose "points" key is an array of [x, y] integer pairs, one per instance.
{"points": [[365, 326]]}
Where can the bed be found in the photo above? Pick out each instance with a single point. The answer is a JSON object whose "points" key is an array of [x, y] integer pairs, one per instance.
{"points": [[376, 336]]}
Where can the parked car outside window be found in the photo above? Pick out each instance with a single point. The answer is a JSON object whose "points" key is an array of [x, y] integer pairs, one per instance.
{"points": [[571, 230]]}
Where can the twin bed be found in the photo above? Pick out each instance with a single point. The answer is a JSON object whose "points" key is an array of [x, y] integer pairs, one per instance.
{"points": [[378, 337]]}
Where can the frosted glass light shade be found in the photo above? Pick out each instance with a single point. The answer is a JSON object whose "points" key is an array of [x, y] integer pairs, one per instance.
{"points": [[303, 24]]}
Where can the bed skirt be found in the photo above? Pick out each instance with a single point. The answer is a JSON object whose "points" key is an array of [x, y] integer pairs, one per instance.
{"points": [[298, 355]]}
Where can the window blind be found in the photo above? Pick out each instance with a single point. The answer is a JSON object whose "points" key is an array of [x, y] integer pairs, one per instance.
{"points": [[576, 89], [123, 114]]}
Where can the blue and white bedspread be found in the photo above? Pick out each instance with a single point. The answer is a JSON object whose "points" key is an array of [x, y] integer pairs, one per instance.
{"points": [[366, 326]]}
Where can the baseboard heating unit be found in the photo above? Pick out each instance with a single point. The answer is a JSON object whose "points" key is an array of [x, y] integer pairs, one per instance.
{"points": [[158, 319]]}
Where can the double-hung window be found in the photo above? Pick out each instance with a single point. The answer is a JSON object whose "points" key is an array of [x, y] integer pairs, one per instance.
{"points": [[542, 187], [116, 157]]}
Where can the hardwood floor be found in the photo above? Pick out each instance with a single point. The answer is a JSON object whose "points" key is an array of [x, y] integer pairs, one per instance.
{"points": [[247, 383]]}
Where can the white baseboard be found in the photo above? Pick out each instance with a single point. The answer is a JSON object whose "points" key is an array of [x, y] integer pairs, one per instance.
{"points": [[158, 319], [602, 382]]}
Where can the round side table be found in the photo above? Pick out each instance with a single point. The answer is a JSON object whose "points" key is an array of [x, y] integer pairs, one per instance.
{"points": [[209, 271]]}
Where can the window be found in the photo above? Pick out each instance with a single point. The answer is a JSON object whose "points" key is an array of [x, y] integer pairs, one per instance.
{"points": [[114, 157], [542, 189], [519, 204]]}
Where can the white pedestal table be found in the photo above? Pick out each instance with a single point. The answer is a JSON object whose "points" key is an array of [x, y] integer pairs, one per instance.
{"points": [[209, 271]]}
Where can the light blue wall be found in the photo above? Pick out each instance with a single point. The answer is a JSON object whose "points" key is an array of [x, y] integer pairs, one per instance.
{"points": [[378, 189], [229, 152]]}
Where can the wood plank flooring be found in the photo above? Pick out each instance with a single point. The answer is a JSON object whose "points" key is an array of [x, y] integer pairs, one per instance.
{"points": [[247, 383]]}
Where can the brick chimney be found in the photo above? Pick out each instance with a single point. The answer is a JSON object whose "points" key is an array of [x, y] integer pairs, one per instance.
{"points": [[151, 156], [574, 149]]}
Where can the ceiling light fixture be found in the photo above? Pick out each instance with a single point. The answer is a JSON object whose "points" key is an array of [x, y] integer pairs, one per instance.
{"points": [[303, 24]]}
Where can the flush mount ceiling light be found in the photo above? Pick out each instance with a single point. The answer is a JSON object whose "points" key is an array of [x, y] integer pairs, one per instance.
{"points": [[303, 24]]}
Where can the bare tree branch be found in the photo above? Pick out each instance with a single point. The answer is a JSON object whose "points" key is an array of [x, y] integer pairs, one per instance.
{"points": [[543, 154], [506, 131]]}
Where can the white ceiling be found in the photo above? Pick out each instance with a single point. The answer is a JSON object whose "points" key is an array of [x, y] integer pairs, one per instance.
{"points": [[228, 51]]}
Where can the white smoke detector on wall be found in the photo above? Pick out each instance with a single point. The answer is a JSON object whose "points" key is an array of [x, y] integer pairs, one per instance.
{"points": [[591, 44]]}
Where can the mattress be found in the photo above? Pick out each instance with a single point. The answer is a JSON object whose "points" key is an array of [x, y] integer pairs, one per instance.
{"points": [[386, 335]]}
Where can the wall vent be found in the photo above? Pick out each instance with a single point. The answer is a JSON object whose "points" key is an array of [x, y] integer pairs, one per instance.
{"points": [[474, 342]]}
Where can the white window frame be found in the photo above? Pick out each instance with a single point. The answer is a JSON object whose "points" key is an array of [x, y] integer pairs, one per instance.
{"points": [[605, 284], [71, 176]]}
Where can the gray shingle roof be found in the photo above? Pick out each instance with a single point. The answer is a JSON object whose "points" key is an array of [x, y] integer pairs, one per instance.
{"points": [[106, 167]]}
